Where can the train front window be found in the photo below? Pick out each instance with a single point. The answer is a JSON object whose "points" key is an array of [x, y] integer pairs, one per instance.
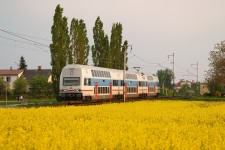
{"points": [[71, 81]]}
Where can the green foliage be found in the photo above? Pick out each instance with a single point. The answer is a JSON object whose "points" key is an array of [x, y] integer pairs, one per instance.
{"points": [[79, 46], [215, 76], [60, 51], [184, 90], [115, 46], [105, 56], [20, 86], [2, 86], [217, 94], [100, 49], [124, 48], [22, 64], [39, 86], [165, 78]]}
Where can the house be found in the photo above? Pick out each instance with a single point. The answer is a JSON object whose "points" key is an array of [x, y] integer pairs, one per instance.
{"points": [[179, 85], [202, 90], [10, 75], [30, 73]]}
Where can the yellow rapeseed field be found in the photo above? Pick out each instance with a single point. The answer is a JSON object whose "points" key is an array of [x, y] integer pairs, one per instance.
{"points": [[135, 125]]}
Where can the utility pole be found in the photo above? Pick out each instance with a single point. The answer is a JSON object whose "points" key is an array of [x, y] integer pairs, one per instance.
{"points": [[124, 69], [198, 88], [6, 96], [173, 72]]}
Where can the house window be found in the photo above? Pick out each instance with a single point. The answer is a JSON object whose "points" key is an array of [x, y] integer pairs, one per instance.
{"points": [[8, 79]]}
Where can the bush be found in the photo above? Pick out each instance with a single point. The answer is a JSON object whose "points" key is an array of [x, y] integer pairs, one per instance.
{"points": [[207, 94], [217, 94]]}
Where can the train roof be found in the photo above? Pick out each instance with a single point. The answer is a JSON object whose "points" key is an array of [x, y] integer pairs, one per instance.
{"points": [[128, 73]]}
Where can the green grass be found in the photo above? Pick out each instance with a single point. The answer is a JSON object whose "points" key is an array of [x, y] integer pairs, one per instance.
{"points": [[31, 102], [208, 98]]}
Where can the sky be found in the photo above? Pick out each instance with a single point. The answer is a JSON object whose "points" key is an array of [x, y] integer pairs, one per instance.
{"points": [[155, 29]]}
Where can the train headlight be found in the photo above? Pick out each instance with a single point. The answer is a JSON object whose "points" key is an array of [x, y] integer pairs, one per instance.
{"points": [[78, 90]]}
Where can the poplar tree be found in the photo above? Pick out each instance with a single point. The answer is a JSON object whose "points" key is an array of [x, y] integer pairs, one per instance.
{"points": [[79, 46], [59, 46], [115, 46], [124, 48], [106, 59], [100, 49]]}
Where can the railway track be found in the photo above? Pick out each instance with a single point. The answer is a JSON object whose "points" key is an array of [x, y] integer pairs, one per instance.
{"points": [[100, 102]]}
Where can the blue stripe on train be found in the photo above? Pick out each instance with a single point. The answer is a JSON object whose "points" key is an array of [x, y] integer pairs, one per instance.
{"points": [[106, 82]]}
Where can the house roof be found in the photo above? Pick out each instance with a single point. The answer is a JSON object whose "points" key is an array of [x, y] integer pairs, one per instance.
{"points": [[10, 72], [29, 74], [179, 84]]}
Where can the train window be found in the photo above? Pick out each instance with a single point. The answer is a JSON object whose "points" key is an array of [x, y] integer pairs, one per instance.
{"points": [[121, 83], [141, 83], [87, 81], [99, 90], [115, 82], [131, 76], [102, 89], [98, 73], [101, 74], [108, 74], [71, 81], [151, 89], [92, 72]]}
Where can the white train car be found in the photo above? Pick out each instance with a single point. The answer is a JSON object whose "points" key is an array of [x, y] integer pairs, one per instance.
{"points": [[82, 82]]}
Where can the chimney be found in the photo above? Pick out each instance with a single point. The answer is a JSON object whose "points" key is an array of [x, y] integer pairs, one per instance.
{"points": [[39, 67]]}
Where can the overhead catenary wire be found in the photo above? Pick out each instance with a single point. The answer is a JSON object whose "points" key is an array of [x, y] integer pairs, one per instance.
{"points": [[16, 35], [42, 45], [19, 41], [24, 47]]}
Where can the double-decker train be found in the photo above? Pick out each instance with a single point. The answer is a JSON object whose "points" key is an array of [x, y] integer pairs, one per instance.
{"points": [[82, 82]]}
